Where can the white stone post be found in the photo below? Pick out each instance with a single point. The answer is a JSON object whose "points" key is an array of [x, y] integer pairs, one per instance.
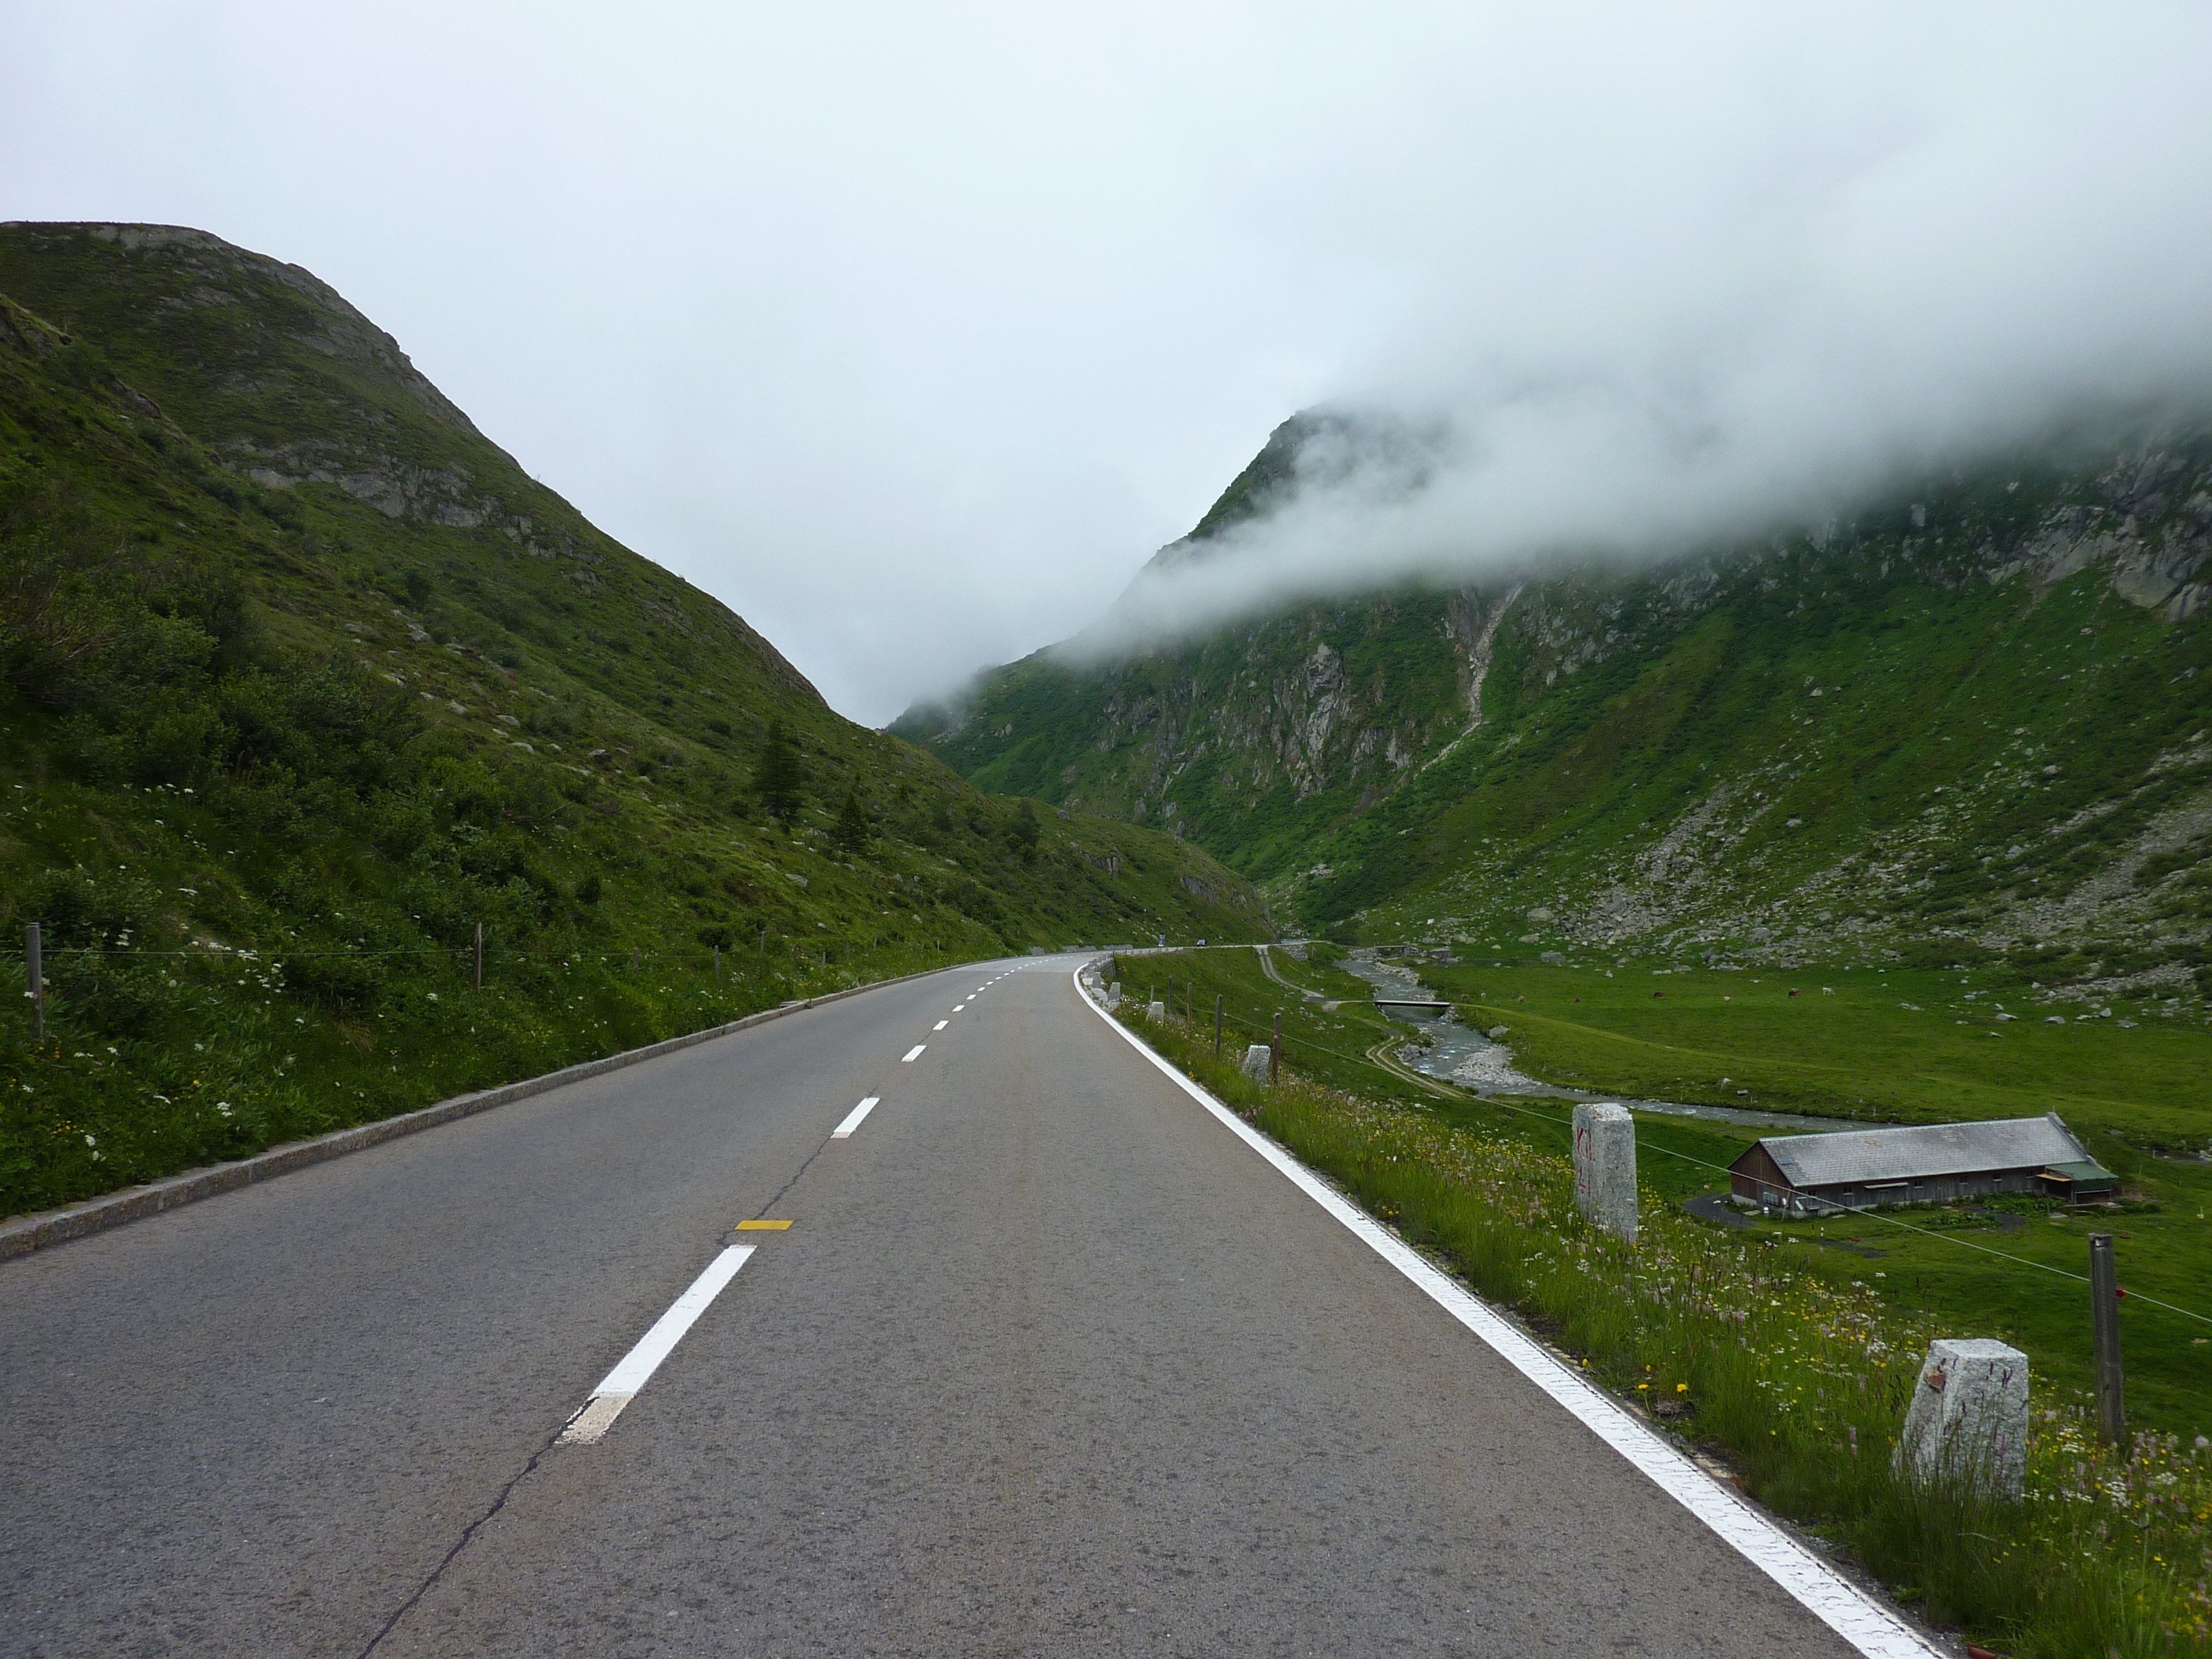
{"points": [[1968, 1419], [1156, 1010], [1255, 1062], [1605, 1168], [1114, 995]]}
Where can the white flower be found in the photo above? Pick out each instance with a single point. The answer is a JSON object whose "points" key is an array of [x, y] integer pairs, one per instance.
{"points": [[91, 1140]]}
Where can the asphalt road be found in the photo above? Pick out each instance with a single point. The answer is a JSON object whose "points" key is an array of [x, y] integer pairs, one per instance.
{"points": [[1047, 1362]]}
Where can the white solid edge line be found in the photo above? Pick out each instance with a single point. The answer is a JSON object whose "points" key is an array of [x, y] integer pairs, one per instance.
{"points": [[853, 1118], [912, 1051], [1829, 1597], [632, 1369]]}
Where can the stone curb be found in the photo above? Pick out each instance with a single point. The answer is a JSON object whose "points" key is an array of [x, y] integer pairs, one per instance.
{"points": [[36, 1232]]}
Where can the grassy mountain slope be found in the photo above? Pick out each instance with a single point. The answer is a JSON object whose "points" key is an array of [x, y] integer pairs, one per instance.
{"points": [[1971, 722], [305, 680]]}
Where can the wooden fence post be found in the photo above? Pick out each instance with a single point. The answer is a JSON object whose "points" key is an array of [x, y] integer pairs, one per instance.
{"points": [[2104, 1327], [1275, 1050], [1217, 1025], [34, 977], [479, 956]]}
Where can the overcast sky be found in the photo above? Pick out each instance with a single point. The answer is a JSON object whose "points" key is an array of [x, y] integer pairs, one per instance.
{"points": [[912, 330]]}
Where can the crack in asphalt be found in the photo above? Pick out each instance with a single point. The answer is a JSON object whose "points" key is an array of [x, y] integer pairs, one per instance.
{"points": [[460, 1544], [506, 1492], [798, 1175]]}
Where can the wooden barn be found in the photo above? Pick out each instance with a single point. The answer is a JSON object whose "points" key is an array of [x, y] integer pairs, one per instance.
{"points": [[1931, 1164]]}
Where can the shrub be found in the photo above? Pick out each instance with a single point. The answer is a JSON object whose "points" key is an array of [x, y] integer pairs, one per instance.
{"points": [[337, 981]]}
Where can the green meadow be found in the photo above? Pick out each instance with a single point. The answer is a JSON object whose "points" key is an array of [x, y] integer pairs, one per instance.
{"points": [[1901, 1046]]}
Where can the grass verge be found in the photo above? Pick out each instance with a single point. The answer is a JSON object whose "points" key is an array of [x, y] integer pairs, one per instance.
{"points": [[1798, 1381]]}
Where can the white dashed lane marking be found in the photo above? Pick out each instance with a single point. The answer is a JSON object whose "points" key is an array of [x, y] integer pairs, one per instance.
{"points": [[619, 1386]]}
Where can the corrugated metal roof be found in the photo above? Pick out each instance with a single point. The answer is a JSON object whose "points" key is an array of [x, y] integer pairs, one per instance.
{"points": [[2085, 1177], [1938, 1149]]}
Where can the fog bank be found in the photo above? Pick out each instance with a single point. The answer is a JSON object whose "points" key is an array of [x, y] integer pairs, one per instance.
{"points": [[911, 332], [1747, 272]]}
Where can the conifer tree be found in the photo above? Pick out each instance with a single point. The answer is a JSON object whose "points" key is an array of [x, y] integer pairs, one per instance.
{"points": [[852, 831], [778, 779]]}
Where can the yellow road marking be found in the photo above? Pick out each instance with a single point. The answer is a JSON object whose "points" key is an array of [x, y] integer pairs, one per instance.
{"points": [[761, 1226]]}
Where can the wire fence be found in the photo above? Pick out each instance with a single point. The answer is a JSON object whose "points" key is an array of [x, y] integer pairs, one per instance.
{"points": [[737, 961], [1828, 1206], [737, 951]]}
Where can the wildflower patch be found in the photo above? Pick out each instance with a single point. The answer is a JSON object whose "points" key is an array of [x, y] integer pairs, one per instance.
{"points": [[1800, 1384]]}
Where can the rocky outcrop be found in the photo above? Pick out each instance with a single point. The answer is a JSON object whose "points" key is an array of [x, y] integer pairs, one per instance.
{"points": [[1330, 749]]}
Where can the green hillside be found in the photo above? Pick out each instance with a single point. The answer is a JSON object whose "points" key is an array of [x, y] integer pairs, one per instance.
{"points": [[1970, 724], [305, 680]]}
